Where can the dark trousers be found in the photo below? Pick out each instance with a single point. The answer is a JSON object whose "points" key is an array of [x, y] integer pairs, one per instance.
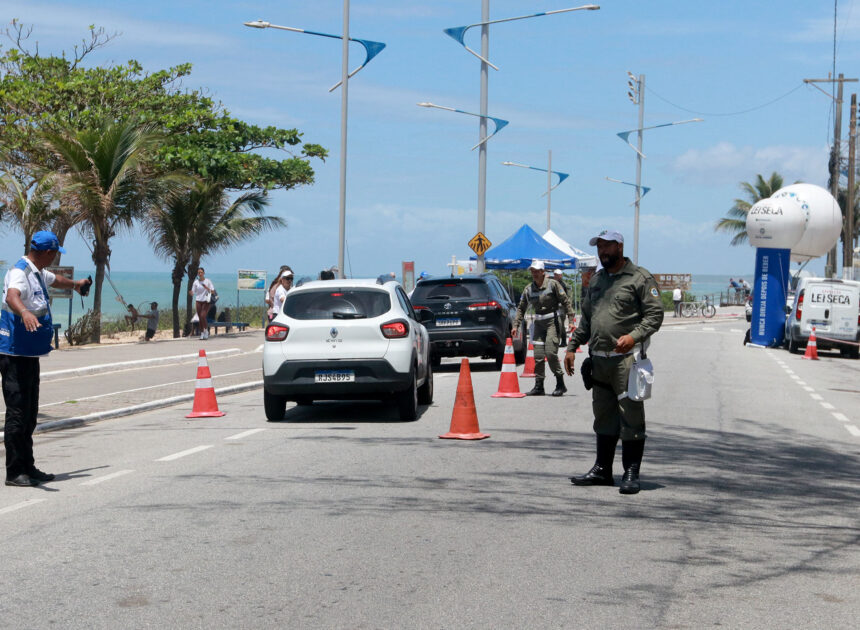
{"points": [[21, 395]]}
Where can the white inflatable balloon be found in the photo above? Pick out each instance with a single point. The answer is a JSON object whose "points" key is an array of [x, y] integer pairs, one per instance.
{"points": [[824, 225], [776, 223]]}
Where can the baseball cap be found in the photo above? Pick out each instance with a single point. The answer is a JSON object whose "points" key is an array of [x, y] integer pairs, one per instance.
{"points": [[558, 272], [46, 241], [288, 273], [537, 264], [607, 235]]}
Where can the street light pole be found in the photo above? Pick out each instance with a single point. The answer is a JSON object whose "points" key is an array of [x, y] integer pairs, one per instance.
{"points": [[482, 127], [641, 91], [344, 106]]}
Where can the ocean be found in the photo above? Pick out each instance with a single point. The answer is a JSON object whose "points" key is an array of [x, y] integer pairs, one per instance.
{"points": [[142, 287]]}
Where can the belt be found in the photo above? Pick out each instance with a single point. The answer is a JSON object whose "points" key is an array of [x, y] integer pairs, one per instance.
{"points": [[545, 316], [606, 355]]}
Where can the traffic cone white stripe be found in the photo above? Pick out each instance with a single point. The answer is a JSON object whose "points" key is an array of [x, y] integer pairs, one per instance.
{"points": [[507, 367], [203, 383]]}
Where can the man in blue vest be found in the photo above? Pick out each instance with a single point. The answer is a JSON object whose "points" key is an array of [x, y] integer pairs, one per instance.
{"points": [[26, 331]]}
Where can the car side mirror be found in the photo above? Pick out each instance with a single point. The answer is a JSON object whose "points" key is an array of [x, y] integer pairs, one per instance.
{"points": [[424, 315], [787, 309]]}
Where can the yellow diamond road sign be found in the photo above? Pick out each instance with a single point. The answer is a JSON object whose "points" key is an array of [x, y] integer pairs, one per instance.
{"points": [[480, 244]]}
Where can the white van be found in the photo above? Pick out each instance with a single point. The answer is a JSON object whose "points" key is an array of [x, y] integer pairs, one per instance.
{"points": [[833, 307]]}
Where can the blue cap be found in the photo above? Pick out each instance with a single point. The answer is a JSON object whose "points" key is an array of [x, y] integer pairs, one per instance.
{"points": [[46, 241], [607, 235]]}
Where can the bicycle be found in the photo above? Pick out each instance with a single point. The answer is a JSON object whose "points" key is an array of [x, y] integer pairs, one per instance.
{"points": [[703, 308]]}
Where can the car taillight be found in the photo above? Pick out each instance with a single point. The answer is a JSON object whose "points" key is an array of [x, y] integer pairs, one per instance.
{"points": [[485, 306], [420, 308], [395, 329], [276, 332], [800, 306]]}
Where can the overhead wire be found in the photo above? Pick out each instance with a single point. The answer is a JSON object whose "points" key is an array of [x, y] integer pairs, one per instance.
{"points": [[737, 113]]}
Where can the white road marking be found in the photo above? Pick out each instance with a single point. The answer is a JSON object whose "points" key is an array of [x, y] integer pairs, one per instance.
{"points": [[707, 328], [816, 397], [736, 330], [853, 430], [239, 436], [18, 506], [827, 405], [113, 475], [190, 451], [787, 371], [840, 416], [801, 382], [809, 389], [259, 348], [795, 377]]}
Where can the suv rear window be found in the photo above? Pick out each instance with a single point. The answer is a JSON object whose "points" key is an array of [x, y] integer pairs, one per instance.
{"points": [[451, 290], [337, 304]]}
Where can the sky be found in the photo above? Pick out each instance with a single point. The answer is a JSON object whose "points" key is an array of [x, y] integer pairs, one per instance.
{"points": [[412, 180]]}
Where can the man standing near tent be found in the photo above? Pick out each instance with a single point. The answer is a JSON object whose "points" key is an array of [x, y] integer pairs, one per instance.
{"points": [[621, 311], [545, 296]]}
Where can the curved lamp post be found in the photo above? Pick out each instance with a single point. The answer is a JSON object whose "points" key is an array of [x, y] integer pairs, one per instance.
{"points": [[371, 49], [498, 122], [636, 94], [549, 187], [458, 34]]}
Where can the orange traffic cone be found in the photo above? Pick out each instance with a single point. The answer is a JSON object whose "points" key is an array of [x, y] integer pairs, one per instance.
{"points": [[464, 419], [205, 405], [811, 347], [509, 385], [529, 365]]}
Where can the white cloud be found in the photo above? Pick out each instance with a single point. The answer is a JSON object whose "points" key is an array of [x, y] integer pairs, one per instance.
{"points": [[725, 163]]}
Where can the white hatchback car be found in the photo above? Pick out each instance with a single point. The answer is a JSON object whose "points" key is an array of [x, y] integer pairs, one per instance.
{"points": [[347, 340]]}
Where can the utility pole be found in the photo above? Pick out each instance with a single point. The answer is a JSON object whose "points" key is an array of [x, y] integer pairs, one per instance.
{"points": [[830, 267], [848, 233]]}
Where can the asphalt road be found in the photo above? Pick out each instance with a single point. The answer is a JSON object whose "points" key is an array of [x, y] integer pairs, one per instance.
{"points": [[343, 517]]}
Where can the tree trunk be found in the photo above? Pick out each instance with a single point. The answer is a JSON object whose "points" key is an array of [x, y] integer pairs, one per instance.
{"points": [[97, 300], [176, 277]]}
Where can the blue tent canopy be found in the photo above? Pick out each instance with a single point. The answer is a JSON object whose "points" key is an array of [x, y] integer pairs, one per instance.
{"points": [[524, 246]]}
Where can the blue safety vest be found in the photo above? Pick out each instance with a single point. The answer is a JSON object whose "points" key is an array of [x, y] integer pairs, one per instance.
{"points": [[14, 337]]}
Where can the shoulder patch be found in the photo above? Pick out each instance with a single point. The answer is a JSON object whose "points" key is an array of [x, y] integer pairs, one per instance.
{"points": [[654, 292]]}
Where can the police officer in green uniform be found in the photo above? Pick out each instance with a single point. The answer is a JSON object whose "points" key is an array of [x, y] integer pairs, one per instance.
{"points": [[545, 296], [620, 312]]}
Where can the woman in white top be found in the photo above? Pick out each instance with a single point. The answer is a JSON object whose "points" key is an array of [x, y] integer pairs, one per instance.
{"points": [[202, 290], [286, 283]]}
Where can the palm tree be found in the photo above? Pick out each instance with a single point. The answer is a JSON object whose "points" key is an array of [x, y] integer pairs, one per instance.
{"points": [[736, 223], [106, 181], [31, 210], [199, 221]]}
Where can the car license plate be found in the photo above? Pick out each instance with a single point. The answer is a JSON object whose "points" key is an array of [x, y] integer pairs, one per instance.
{"points": [[448, 321], [334, 376]]}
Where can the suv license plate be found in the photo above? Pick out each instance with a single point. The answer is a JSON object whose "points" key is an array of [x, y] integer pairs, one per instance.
{"points": [[333, 376], [449, 321]]}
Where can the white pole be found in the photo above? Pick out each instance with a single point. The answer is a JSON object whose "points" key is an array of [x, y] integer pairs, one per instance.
{"points": [[482, 152], [639, 169], [344, 106], [548, 190]]}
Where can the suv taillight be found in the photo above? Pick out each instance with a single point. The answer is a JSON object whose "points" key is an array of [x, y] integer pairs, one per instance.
{"points": [[276, 332], [799, 306], [485, 306], [395, 329]]}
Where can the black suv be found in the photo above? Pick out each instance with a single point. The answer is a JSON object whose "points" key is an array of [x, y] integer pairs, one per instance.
{"points": [[473, 317]]}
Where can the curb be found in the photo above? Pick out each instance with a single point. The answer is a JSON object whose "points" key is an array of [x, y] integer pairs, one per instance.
{"points": [[129, 365], [79, 421]]}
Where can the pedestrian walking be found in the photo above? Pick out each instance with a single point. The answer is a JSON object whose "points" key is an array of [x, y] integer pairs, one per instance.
{"points": [[151, 321], [545, 296], [203, 290], [26, 330], [621, 311], [677, 298], [286, 283]]}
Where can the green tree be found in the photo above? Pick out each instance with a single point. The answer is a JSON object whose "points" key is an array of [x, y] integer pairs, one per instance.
{"points": [[199, 221], [30, 211], [106, 181], [736, 221]]}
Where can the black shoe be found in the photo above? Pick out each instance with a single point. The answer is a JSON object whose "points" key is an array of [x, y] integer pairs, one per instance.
{"points": [[537, 390], [22, 481], [560, 389], [630, 480], [597, 476], [40, 476]]}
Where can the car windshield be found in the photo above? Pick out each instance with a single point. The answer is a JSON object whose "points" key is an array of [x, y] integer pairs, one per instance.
{"points": [[337, 304], [450, 290]]}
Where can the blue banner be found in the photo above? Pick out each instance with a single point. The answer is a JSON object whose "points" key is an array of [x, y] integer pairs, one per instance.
{"points": [[769, 296]]}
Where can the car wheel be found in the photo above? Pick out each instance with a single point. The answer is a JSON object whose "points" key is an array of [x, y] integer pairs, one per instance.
{"points": [[435, 360], [425, 392], [407, 400], [792, 346], [854, 353], [275, 406], [747, 336], [500, 359]]}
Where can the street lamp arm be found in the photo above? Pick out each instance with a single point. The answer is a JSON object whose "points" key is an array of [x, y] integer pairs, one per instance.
{"points": [[561, 176], [624, 135], [498, 122], [458, 33], [644, 189]]}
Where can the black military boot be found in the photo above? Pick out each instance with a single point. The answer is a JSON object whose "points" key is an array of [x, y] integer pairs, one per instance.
{"points": [[601, 473], [560, 389], [537, 390], [631, 457]]}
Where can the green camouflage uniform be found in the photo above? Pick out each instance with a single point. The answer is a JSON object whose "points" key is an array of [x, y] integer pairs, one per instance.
{"points": [[545, 300], [625, 303]]}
